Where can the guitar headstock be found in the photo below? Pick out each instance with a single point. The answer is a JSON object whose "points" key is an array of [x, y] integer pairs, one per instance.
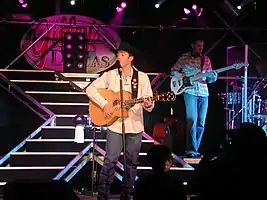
{"points": [[240, 65], [169, 96]]}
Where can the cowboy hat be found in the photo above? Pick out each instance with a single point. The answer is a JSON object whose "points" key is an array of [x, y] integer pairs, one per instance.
{"points": [[124, 46]]}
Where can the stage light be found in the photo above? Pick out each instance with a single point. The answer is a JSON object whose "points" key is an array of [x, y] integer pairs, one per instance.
{"points": [[80, 65], [80, 56], [200, 12], [68, 65], [21, 1], [72, 2], [119, 9], [69, 37], [239, 7], [69, 46], [24, 5], [80, 47], [186, 11], [80, 121], [68, 55], [194, 7], [123, 5], [157, 5], [74, 52]]}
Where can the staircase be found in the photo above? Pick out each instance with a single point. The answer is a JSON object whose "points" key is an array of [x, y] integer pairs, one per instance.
{"points": [[50, 152]]}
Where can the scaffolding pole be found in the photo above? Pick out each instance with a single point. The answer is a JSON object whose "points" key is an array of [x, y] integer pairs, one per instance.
{"points": [[159, 27], [245, 89]]}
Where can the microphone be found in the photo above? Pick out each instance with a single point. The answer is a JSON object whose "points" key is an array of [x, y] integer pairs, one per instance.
{"points": [[117, 65]]}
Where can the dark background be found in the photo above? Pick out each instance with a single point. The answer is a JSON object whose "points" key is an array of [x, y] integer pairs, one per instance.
{"points": [[160, 48], [16, 121]]}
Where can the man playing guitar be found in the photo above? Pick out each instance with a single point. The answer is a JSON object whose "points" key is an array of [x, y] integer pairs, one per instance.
{"points": [[134, 125], [195, 98]]}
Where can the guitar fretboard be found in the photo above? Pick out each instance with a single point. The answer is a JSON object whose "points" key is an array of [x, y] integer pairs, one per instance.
{"points": [[139, 100], [199, 76]]}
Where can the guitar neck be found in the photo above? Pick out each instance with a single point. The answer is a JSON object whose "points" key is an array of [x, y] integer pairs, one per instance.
{"points": [[136, 101], [199, 76]]}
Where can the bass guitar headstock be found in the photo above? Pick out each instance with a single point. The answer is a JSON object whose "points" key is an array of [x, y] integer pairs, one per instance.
{"points": [[240, 65]]}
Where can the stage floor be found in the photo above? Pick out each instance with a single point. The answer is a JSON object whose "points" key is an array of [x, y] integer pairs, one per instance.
{"points": [[112, 197]]}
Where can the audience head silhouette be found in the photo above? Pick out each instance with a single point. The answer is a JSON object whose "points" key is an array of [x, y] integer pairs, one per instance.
{"points": [[160, 158], [249, 137]]}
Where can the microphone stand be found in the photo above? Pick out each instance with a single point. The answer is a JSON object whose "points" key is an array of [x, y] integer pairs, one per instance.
{"points": [[125, 174]]}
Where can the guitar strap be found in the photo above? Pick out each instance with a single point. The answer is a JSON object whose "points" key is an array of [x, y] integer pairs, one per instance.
{"points": [[202, 57], [134, 83]]}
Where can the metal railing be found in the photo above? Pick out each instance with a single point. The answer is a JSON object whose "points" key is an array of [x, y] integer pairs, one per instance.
{"points": [[33, 134], [30, 103], [26, 99]]}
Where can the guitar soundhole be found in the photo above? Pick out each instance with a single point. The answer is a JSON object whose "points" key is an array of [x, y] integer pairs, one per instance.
{"points": [[116, 103]]}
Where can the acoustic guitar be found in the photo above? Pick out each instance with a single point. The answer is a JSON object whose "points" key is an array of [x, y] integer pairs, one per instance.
{"points": [[180, 82], [97, 114]]}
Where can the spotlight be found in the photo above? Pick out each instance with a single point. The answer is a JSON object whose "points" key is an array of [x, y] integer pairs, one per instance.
{"points": [[194, 7], [239, 7], [80, 121], [24, 5], [186, 11], [157, 5], [72, 2], [200, 12], [68, 46], [119, 9], [123, 4], [74, 52]]}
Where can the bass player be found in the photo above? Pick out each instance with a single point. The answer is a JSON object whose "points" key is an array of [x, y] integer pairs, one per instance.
{"points": [[196, 98]]}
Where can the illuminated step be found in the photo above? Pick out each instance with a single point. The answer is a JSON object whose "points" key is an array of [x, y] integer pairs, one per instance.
{"points": [[41, 158], [68, 145]]}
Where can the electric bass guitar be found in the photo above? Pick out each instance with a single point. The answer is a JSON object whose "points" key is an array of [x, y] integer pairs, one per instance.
{"points": [[97, 114], [179, 83]]}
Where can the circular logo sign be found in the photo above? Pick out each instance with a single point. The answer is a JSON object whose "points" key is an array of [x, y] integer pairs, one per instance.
{"points": [[47, 53]]}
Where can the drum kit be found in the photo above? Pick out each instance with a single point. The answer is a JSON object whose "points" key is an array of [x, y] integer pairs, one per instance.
{"points": [[256, 104]]}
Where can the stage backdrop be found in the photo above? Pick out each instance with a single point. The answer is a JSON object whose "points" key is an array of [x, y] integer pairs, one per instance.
{"points": [[47, 53]]}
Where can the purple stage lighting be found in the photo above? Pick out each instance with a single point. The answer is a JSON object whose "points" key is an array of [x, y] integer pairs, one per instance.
{"points": [[186, 11], [194, 7], [123, 4], [119, 9]]}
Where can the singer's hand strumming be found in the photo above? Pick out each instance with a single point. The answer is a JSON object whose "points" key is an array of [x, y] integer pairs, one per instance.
{"points": [[108, 111], [147, 102]]}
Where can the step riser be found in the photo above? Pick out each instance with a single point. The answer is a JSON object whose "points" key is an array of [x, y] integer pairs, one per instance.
{"points": [[11, 175], [66, 98], [68, 134], [64, 121], [40, 160], [83, 180], [14, 75], [71, 109], [33, 86], [53, 160], [69, 146]]}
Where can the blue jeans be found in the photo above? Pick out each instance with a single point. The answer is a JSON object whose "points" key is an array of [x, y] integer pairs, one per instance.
{"points": [[114, 148], [196, 108]]}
